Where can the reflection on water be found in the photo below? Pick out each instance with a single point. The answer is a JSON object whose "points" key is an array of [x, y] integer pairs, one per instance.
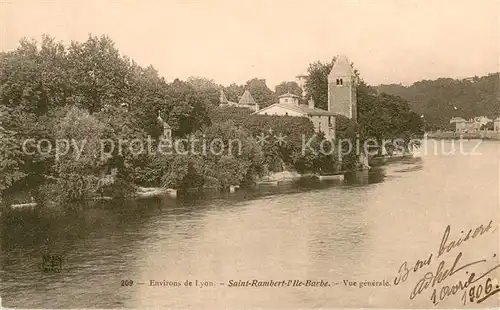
{"points": [[360, 229]]}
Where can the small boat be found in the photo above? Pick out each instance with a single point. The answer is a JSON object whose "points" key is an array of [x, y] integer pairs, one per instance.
{"points": [[339, 177], [272, 183], [24, 205], [332, 176], [151, 192]]}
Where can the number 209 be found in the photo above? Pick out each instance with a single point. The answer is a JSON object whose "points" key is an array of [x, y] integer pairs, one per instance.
{"points": [[127, 282]]}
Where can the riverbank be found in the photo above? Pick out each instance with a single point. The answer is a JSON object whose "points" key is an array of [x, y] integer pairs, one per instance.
{"points": [[274, 179], [451, 135]]}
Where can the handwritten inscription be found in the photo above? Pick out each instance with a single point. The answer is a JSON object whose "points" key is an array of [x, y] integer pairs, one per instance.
{"points": [[434, 281], [404, 271], [481, 292], [448, 246], [441, 274]]}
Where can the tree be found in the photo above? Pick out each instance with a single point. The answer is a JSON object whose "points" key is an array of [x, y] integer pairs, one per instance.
{"points": [[11, 163], [91, 75], [223, 114], [383, 116], [441, 99], [233, 92], [488, 126], [187, 110], [260, 92], [147, 96], [34, 78], [78, 171], [316, 84], [288, 87], [207, 88], [98, 74], [241, 160]]}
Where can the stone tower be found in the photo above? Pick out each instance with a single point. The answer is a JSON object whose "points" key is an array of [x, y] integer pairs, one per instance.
{"points": [[342, 89]]}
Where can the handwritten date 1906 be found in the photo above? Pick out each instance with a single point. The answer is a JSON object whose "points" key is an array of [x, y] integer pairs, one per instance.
{"points": [[475, 291], [480, 293]]}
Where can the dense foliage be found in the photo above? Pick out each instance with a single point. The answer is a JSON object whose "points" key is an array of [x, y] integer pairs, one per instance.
{"points": [[316, 85], [80, 111], [440, 100], [287, 142], [288, 87], [11, 161], [85, 93]]}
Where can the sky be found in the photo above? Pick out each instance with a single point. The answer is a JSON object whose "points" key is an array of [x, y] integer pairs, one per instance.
{"points": [[389, 41]]}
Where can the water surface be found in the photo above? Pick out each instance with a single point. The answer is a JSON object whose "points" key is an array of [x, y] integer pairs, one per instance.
{"points": [[360, 230]]}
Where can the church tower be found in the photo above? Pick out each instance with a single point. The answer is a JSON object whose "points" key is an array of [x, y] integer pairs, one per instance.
{"points": [[342, 89]]}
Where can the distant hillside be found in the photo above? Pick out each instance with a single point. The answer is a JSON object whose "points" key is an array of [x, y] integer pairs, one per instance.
{"points": [[441, 99]]}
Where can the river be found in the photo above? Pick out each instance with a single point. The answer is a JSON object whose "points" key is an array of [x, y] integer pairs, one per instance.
{"points": [[361, 229]]}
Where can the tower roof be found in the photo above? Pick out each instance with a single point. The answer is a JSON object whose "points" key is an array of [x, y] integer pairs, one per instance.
{"points": [[247, 98], [341, 67]]}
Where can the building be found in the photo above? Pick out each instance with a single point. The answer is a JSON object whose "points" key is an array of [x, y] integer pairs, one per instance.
{"points": [[467, 126], [167, 130], [289, 98], [323, 121], [496, 124], [341, 101], [246, 101], [342, 89], [459, 124]]}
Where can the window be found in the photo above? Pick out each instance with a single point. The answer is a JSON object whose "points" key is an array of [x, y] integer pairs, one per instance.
{"points": [[286, 99], [340, 82], [286, 113]]}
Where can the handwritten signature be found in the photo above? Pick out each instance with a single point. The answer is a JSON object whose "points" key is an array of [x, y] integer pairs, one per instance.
{"points": [[444, 271]]}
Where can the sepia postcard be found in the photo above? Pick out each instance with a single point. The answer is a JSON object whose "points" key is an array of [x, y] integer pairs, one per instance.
{"points": [[254, 154]]}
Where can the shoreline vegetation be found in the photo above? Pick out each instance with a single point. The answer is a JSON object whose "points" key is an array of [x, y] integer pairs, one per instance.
{"points": [[158, 192], [88, 91]]}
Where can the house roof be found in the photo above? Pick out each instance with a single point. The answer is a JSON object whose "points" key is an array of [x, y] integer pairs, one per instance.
{"points": [[300, 109], [457, 120], [288, 95], [247, 98]]}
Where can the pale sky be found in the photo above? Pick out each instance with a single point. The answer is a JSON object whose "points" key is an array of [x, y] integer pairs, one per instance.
{"points": [[389, 41]]}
